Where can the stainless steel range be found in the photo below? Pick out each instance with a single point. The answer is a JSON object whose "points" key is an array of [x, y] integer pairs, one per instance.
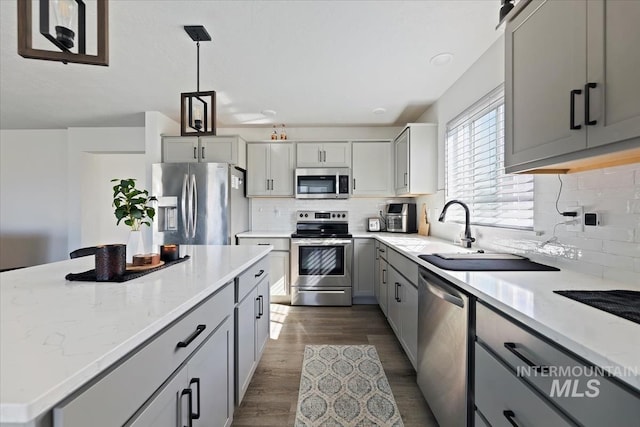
{"points": [[321, 258]]}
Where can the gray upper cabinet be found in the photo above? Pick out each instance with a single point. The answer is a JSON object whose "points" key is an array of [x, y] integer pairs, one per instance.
{"points": [[323, 154], [416, 160], [213, 149], [270, 169], [570, 82], [371, 169]]}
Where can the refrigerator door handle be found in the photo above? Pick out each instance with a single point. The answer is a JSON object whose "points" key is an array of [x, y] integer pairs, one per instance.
{"points": [[194, 206], [184, 206]]}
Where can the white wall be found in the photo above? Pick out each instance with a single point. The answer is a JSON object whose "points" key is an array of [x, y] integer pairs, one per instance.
{"points": [[611, 251], [95, 141], [33, 197], [98, 225]]}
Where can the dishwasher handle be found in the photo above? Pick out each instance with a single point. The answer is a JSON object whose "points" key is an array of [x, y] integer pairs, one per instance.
{"points": [[445, 295]]}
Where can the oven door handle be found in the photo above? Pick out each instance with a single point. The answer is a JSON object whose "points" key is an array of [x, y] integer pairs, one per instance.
{"points": [[321, 242]]}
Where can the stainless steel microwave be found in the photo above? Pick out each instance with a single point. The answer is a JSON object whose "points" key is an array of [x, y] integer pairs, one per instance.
{"points": [[322, 183]]}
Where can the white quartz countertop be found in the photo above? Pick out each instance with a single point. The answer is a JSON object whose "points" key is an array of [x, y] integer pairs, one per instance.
{"points": [[56, 335], [607, 341], [265, 234]]}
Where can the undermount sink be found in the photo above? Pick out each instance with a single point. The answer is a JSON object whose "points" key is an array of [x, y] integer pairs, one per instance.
{"points": [[480, 261], [477, 255]]}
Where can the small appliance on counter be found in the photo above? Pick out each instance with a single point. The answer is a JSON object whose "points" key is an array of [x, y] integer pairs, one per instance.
{"points": [[401, 218], [373, 224]]}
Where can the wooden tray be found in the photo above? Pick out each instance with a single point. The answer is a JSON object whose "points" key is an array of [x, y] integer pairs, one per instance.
{"points": [[131, 267]]}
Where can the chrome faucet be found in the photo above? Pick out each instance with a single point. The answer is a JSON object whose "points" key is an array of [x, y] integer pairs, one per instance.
{"points": [[467, 230]]}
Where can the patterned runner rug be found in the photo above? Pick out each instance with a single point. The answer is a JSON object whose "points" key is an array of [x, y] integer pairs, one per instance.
{"points": [[344, 386]]}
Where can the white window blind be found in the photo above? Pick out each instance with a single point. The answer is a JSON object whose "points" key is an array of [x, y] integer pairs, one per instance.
{"points": [[474, 168]]}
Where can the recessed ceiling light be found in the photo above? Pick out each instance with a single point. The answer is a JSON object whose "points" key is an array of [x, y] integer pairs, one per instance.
{"points": [[441, 59], [379, 110], [269, 112]]}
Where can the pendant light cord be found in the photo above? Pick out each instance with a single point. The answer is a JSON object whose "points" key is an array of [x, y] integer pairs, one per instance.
{"points": [[198, 67]]}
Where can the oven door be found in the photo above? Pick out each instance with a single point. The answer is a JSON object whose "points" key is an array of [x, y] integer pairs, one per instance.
{"points": [[321, 262]]}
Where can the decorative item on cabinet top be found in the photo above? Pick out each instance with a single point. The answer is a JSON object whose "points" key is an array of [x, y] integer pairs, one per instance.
{"points": [[70, 19], [198, 109]]}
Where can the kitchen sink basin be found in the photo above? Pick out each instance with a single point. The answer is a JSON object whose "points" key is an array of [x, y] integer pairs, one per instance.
{"points": [[477, 255], [474, 261]]}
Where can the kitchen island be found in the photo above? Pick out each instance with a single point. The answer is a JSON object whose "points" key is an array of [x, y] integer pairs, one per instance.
{"points": [[58, 338]]}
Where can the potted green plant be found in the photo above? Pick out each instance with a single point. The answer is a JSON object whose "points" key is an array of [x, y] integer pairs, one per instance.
{"points": [[132, 207]]}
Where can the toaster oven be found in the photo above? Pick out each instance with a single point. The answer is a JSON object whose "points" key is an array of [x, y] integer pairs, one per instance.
{"points": [[401, 218]]}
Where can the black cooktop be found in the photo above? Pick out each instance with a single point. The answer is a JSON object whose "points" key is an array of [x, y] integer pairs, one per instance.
{"points": [[622, 303]]}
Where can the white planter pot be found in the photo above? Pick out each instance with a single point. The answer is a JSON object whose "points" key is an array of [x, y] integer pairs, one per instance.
{"points": [[135, 245]]}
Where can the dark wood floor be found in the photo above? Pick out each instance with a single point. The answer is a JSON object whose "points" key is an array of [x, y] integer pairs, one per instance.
{"points": [[273, 393]]}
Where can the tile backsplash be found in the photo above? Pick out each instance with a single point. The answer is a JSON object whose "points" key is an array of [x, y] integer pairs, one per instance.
{"points": [[278, 214], [610, 250]]}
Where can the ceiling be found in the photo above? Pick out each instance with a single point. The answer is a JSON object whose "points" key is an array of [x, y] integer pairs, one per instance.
{"points": [[314, 63]]}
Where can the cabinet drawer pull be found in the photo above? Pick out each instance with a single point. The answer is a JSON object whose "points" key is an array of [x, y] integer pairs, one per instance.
{"points": [[259, 274], [196, 381], [512, 348], [192, 337], [263, 244], [510, 415], [572, 112], [587, 104], [189, 393]]}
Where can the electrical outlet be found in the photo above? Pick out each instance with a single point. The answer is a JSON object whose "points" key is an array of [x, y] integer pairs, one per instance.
{"points": [[575, 223]]}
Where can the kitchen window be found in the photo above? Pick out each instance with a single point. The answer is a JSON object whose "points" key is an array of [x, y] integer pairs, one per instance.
{"points": [[474, 168]]}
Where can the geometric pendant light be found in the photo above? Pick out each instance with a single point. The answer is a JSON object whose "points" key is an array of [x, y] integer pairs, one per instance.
{"points": [[198, 109], [69, 39]]}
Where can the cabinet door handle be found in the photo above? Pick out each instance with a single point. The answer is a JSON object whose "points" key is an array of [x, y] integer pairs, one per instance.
{"points": [[202, 151], [572, 112], [324, 156], [398, 298], [510, 415], [511, 346], [261, 305], [354, 183], [195, 153], [319, 156], [189, 393], [192, 337], [261, 272], [395, 295], [196, 381], [384, 276], [587, 104], [405, 178], [258, 310]]}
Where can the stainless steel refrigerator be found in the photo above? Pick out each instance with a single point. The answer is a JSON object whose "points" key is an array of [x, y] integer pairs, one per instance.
{"points": [[199, 203]]}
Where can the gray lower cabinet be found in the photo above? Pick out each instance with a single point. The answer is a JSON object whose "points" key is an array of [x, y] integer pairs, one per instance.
{"points": [[402, 312], [547, 373], [199, 394], [505, 401], [252, 323], [154, 385], [278, 265], [382, 282]]}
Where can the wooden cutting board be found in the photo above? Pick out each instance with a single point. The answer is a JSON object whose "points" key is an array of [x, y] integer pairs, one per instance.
{"points": [[131, 267], [423, 225]]}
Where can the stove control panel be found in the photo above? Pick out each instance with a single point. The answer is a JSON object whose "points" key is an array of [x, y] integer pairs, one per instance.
{"points": [[322, 216]]}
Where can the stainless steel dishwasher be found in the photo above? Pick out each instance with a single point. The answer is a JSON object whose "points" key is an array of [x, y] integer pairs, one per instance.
{"points": [[443, 349]]}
